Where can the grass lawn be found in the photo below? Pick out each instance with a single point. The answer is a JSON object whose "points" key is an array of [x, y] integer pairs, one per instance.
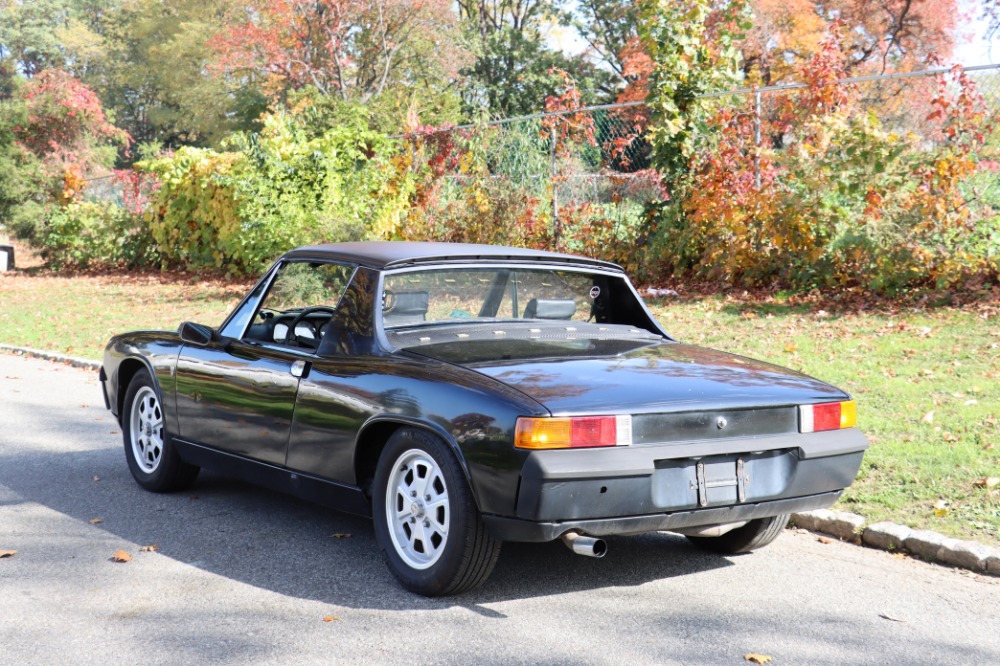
{"points": [[927, 381]]}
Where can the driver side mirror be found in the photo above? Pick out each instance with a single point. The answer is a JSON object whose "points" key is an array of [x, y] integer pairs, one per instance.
{"points": [[196, 334]]}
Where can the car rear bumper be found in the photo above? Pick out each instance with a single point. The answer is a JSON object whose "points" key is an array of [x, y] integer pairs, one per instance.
{"points": [[516, 529], [639, 489]]}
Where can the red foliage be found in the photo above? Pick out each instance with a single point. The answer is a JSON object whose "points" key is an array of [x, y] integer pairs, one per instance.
{"points": [[334, 45], [821, 74], [137, 189], [65, 121], [570, 125], [297, 43]]}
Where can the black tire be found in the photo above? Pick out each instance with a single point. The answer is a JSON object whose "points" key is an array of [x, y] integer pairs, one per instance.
{"points": [[150, 452], [435, 542], [753, 536]]}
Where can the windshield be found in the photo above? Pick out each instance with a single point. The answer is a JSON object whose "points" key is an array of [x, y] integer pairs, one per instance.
{"points": [[454, 295]]}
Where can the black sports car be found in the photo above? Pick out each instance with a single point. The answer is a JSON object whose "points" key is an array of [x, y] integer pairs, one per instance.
{"points": [[466, 395]]}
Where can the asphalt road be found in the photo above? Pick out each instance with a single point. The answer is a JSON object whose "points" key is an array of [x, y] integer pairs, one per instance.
{"points": [[245, 576]]}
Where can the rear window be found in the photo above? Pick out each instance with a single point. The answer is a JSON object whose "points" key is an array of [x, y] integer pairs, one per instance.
{"points": [[456, 294]]}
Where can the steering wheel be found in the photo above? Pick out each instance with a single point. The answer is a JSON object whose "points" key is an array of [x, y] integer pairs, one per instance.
{"points": [[291, 338], [388, 301]]}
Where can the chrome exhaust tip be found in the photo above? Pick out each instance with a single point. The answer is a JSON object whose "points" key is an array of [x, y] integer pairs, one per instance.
{"points": [[585, 545]]}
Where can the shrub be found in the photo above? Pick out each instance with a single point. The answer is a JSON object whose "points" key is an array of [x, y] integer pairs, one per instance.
{"points": [[88, 234], [282, 188], [843, 203]]}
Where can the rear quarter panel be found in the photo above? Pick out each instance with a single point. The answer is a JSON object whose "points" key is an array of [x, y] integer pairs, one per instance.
{"points": [[475, 414]]}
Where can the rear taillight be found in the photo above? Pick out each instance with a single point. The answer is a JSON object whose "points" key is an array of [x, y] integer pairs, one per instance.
{"points": [[827, 416], [577, 432]]}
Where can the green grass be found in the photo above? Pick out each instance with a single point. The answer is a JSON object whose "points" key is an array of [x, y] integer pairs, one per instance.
{"points": [[77, 315], [927, 382]]}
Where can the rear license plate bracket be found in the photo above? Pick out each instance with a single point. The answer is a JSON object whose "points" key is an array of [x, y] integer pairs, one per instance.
{"points": [[721, 478]]}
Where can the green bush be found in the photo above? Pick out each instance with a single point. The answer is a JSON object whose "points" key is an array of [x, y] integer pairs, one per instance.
{"points": [[278, 189], [193, 217], [87, 234]]}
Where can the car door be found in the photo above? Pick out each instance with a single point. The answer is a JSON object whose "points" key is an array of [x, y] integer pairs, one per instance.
{"points": [[238, 393]]}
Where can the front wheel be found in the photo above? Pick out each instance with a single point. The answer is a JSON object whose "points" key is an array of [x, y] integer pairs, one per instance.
{"points": [[754, 535], [150, 453], [426, 519]]}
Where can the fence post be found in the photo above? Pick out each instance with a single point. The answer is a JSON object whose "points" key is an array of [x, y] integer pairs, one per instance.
{"points": [[555, 193], [756, 137]]}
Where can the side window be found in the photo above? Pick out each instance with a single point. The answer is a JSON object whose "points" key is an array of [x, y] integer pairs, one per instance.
{"points": [[302, 299]]}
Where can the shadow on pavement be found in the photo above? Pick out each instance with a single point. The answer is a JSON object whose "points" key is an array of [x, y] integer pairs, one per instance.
{"points": [[279, 543]]}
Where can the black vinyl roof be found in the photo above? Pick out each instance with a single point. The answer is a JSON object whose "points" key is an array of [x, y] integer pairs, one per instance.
{"points": [[395, 254]]}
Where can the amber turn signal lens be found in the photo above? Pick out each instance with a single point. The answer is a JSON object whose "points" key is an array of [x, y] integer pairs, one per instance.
{"points": [[542, 434]]}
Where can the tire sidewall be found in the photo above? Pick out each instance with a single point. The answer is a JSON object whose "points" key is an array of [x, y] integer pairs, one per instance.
{"points": [[158, 478], [439, 577]]}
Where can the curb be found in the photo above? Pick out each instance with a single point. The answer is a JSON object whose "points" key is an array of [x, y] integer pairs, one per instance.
{"points": [[925, 544], [74, 361]]}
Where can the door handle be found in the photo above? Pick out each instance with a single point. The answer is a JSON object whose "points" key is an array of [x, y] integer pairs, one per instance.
{"points": [[299, 369]]}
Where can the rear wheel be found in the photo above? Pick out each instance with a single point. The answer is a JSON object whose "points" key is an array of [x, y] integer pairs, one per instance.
{"points": [[754, 535], [426, 519], [150, 453]]}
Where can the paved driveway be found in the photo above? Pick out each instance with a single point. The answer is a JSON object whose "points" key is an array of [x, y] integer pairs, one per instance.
{"points": [[245, 576]]}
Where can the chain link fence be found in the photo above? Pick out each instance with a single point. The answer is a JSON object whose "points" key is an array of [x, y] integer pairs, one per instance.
{"points": [[600, 155]]}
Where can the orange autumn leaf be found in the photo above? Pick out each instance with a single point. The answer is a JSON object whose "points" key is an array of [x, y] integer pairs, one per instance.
{"points": [[121, 556], [7, 553]]}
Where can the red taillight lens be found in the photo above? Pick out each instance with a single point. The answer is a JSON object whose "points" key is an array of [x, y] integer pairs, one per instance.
{"points": [[593, 431], [573, 433], [827, 416]]}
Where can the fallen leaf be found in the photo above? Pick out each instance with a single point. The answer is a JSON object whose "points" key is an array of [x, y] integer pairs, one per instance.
{"points": [[95, 521], [95, 478], [987, 482], [755, 658], [331, 618], [121, 556], [791, 347], [948, 437], [341, 535], [886, 616], [824, 540], [928, 417], [7, 553], [152, 548]]}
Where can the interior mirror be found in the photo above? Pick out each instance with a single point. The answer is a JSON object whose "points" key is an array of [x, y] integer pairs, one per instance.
{"points": [[196, 334]]}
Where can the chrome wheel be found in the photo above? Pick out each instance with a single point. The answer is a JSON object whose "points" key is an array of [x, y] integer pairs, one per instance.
{"points": [[417, 509], [146, 421]]}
